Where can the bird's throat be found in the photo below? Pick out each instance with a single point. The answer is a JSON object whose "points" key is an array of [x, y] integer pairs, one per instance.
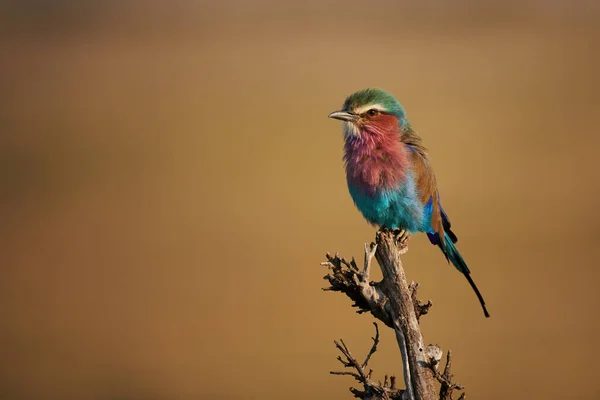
{"points": [[376, 160]]}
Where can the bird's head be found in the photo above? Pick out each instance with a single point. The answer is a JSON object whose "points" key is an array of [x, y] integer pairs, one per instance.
{"points": [[370, 111]]}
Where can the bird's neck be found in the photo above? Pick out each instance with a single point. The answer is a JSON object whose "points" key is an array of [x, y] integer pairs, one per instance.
{"points": [[376, 160]]}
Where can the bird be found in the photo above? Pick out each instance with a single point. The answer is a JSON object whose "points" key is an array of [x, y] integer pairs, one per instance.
{"points": [[389, 174]]}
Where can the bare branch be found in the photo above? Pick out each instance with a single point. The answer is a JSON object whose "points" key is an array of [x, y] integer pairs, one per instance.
{"points": [[345, 277], [406, 325], [374, 348], [445, 378], [354, 374], [369, 254], [372, 390], [394, 303], [420, 308]]}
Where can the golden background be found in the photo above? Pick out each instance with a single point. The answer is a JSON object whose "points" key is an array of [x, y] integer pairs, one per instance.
{"points": [[169, 184]]}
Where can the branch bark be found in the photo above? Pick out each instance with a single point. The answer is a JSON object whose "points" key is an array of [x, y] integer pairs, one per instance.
{"points": [[395, 303], [406, 324], [345, 277]]}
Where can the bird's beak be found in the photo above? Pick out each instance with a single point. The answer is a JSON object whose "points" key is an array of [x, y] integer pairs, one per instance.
{"points": [[344, 116]]}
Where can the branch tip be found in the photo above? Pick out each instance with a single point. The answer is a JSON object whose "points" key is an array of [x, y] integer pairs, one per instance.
{"points": [[445, 379], [372, 389]]}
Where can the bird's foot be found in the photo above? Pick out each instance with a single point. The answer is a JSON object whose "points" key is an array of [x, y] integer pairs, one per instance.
{"points": [[401, 239]]}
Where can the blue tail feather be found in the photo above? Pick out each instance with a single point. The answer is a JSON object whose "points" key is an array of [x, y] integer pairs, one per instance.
{"points": [[453, 256]]}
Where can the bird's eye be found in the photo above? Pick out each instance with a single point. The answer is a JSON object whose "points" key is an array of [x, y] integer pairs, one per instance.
{"points": [[372, 112]]}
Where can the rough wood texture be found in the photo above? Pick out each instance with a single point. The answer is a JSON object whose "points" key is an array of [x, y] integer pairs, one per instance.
{"points": [[395, 303], [420, 308], [345, 277], [406, 324]]}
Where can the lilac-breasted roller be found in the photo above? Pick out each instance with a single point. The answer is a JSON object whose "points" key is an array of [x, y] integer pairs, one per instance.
{"points": [[389, 174]]}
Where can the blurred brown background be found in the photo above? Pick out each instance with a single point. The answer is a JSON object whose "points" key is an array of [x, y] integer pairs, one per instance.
{"points": [[169, 183]]}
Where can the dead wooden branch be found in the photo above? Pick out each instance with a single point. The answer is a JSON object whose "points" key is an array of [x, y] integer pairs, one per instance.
{"points": [[395, 303], [406, 325], [345, 277], [420, 308], [445, 378], [372, 390]]}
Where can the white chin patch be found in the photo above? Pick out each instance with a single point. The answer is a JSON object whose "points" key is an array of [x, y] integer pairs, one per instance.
{"points": [[350, 129]]}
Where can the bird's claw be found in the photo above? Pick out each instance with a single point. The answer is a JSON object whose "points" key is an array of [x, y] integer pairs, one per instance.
{"points": [[401, 240]]}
